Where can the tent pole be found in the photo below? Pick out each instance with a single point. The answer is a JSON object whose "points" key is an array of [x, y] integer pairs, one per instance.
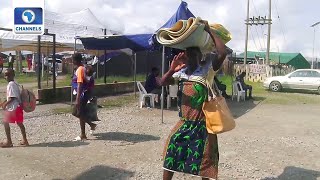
{"points": [[47, 76], [74, 52], [98, 66], [135, 75], [105, 60], [42, 60], [162, 90], [54, 65], [39, 61]]}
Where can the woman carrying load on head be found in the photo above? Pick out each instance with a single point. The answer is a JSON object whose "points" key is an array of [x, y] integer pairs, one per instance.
{"points": [[189, 148]]}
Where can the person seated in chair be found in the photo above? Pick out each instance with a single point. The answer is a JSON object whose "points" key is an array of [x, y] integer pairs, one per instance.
{"points": [[222, 87], [152, 85], [245, 86]]}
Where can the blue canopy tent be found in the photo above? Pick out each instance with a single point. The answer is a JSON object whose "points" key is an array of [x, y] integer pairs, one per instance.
{"points": [[138, 42]]}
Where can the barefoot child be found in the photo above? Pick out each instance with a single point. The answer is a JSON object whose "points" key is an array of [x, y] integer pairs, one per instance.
{"points": [[13, 112]]}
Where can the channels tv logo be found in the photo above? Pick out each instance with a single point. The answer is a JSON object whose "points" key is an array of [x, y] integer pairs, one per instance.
{"points": [[28, 21]]}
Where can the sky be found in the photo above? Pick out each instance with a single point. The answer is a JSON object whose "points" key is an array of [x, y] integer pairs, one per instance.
{"points": [[290, 31]]}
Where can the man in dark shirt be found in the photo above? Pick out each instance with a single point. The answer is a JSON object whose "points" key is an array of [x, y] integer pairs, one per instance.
{"points": [[245, 86], [151, 85], [222, 87]]}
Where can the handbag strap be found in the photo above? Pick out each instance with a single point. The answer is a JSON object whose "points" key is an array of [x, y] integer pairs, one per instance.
{"points": [[212, 93]]}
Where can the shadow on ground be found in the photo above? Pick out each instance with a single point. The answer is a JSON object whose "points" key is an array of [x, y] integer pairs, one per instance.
{"points": [[103, 173], [296, 173], [65, 144], [127, 137], [239, 109]]}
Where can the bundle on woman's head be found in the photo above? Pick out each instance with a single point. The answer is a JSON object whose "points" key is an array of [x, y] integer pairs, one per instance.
{"points": [[192, 33]]}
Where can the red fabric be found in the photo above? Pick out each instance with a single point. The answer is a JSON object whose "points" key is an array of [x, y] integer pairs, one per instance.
{"points": [[1, 61], [29, 61], [15, 116]]}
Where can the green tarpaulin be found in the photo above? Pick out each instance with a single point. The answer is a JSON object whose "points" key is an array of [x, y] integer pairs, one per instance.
{"points": [[294, 59]]}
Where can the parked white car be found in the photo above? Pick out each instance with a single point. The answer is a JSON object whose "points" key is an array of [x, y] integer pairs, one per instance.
{"points": [[303, 79]]}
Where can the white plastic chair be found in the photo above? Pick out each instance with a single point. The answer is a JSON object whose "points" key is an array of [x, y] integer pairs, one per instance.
{"points": [[173, 91], [143, 94], [238, 91]]}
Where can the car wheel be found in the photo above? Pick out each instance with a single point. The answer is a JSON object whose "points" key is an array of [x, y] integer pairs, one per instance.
{"points": [[275, 86]]}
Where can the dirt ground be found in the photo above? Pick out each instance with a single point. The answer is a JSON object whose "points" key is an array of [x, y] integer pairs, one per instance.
{"points": [[270, 142]]}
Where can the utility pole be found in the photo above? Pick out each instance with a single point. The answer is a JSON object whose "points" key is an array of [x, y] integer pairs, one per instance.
{"points": [[247, 34], [260, 20], [269, 34], [314, 38]]}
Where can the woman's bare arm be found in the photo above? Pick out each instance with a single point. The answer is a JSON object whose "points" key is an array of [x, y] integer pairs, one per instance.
{"points": [[220, 49], [167, 78]]}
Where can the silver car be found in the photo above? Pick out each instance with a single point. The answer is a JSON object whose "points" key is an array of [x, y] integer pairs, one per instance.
{"points": [[303, 79]]}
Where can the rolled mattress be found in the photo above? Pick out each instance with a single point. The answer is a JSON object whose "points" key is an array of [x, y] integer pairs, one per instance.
{"points": [[191, 33]]}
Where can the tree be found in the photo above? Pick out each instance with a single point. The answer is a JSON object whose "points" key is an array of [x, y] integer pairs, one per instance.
{"points": [[202, 128], [179, 150], [189, 151], [171, 147], [191, 127], [181, 165], [194, 167], [199, 142], [196, 154], [176, 136], [187, 138], [170, 160], [184, 127]]}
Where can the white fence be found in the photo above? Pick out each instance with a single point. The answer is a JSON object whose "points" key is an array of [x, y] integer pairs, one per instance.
{"points": [[258, 72]]}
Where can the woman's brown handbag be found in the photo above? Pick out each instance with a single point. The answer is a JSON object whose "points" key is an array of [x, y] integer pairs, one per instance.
{"points": [[218, 116]]}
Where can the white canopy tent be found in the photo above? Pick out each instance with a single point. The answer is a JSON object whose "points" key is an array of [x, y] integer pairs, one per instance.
{"points": [[65, 26]]}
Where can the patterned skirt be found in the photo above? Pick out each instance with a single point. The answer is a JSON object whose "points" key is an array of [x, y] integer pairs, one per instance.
{"points": [[190, 149]]}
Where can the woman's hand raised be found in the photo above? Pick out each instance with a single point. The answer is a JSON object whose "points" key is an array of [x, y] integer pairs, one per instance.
{"points": [[179, 61]]}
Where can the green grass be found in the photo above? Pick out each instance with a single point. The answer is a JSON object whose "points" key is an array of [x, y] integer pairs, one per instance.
{"points": [[111, 79], [66, 81], [112, 102], [285, 98], [20, 78], [118, 101]]}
